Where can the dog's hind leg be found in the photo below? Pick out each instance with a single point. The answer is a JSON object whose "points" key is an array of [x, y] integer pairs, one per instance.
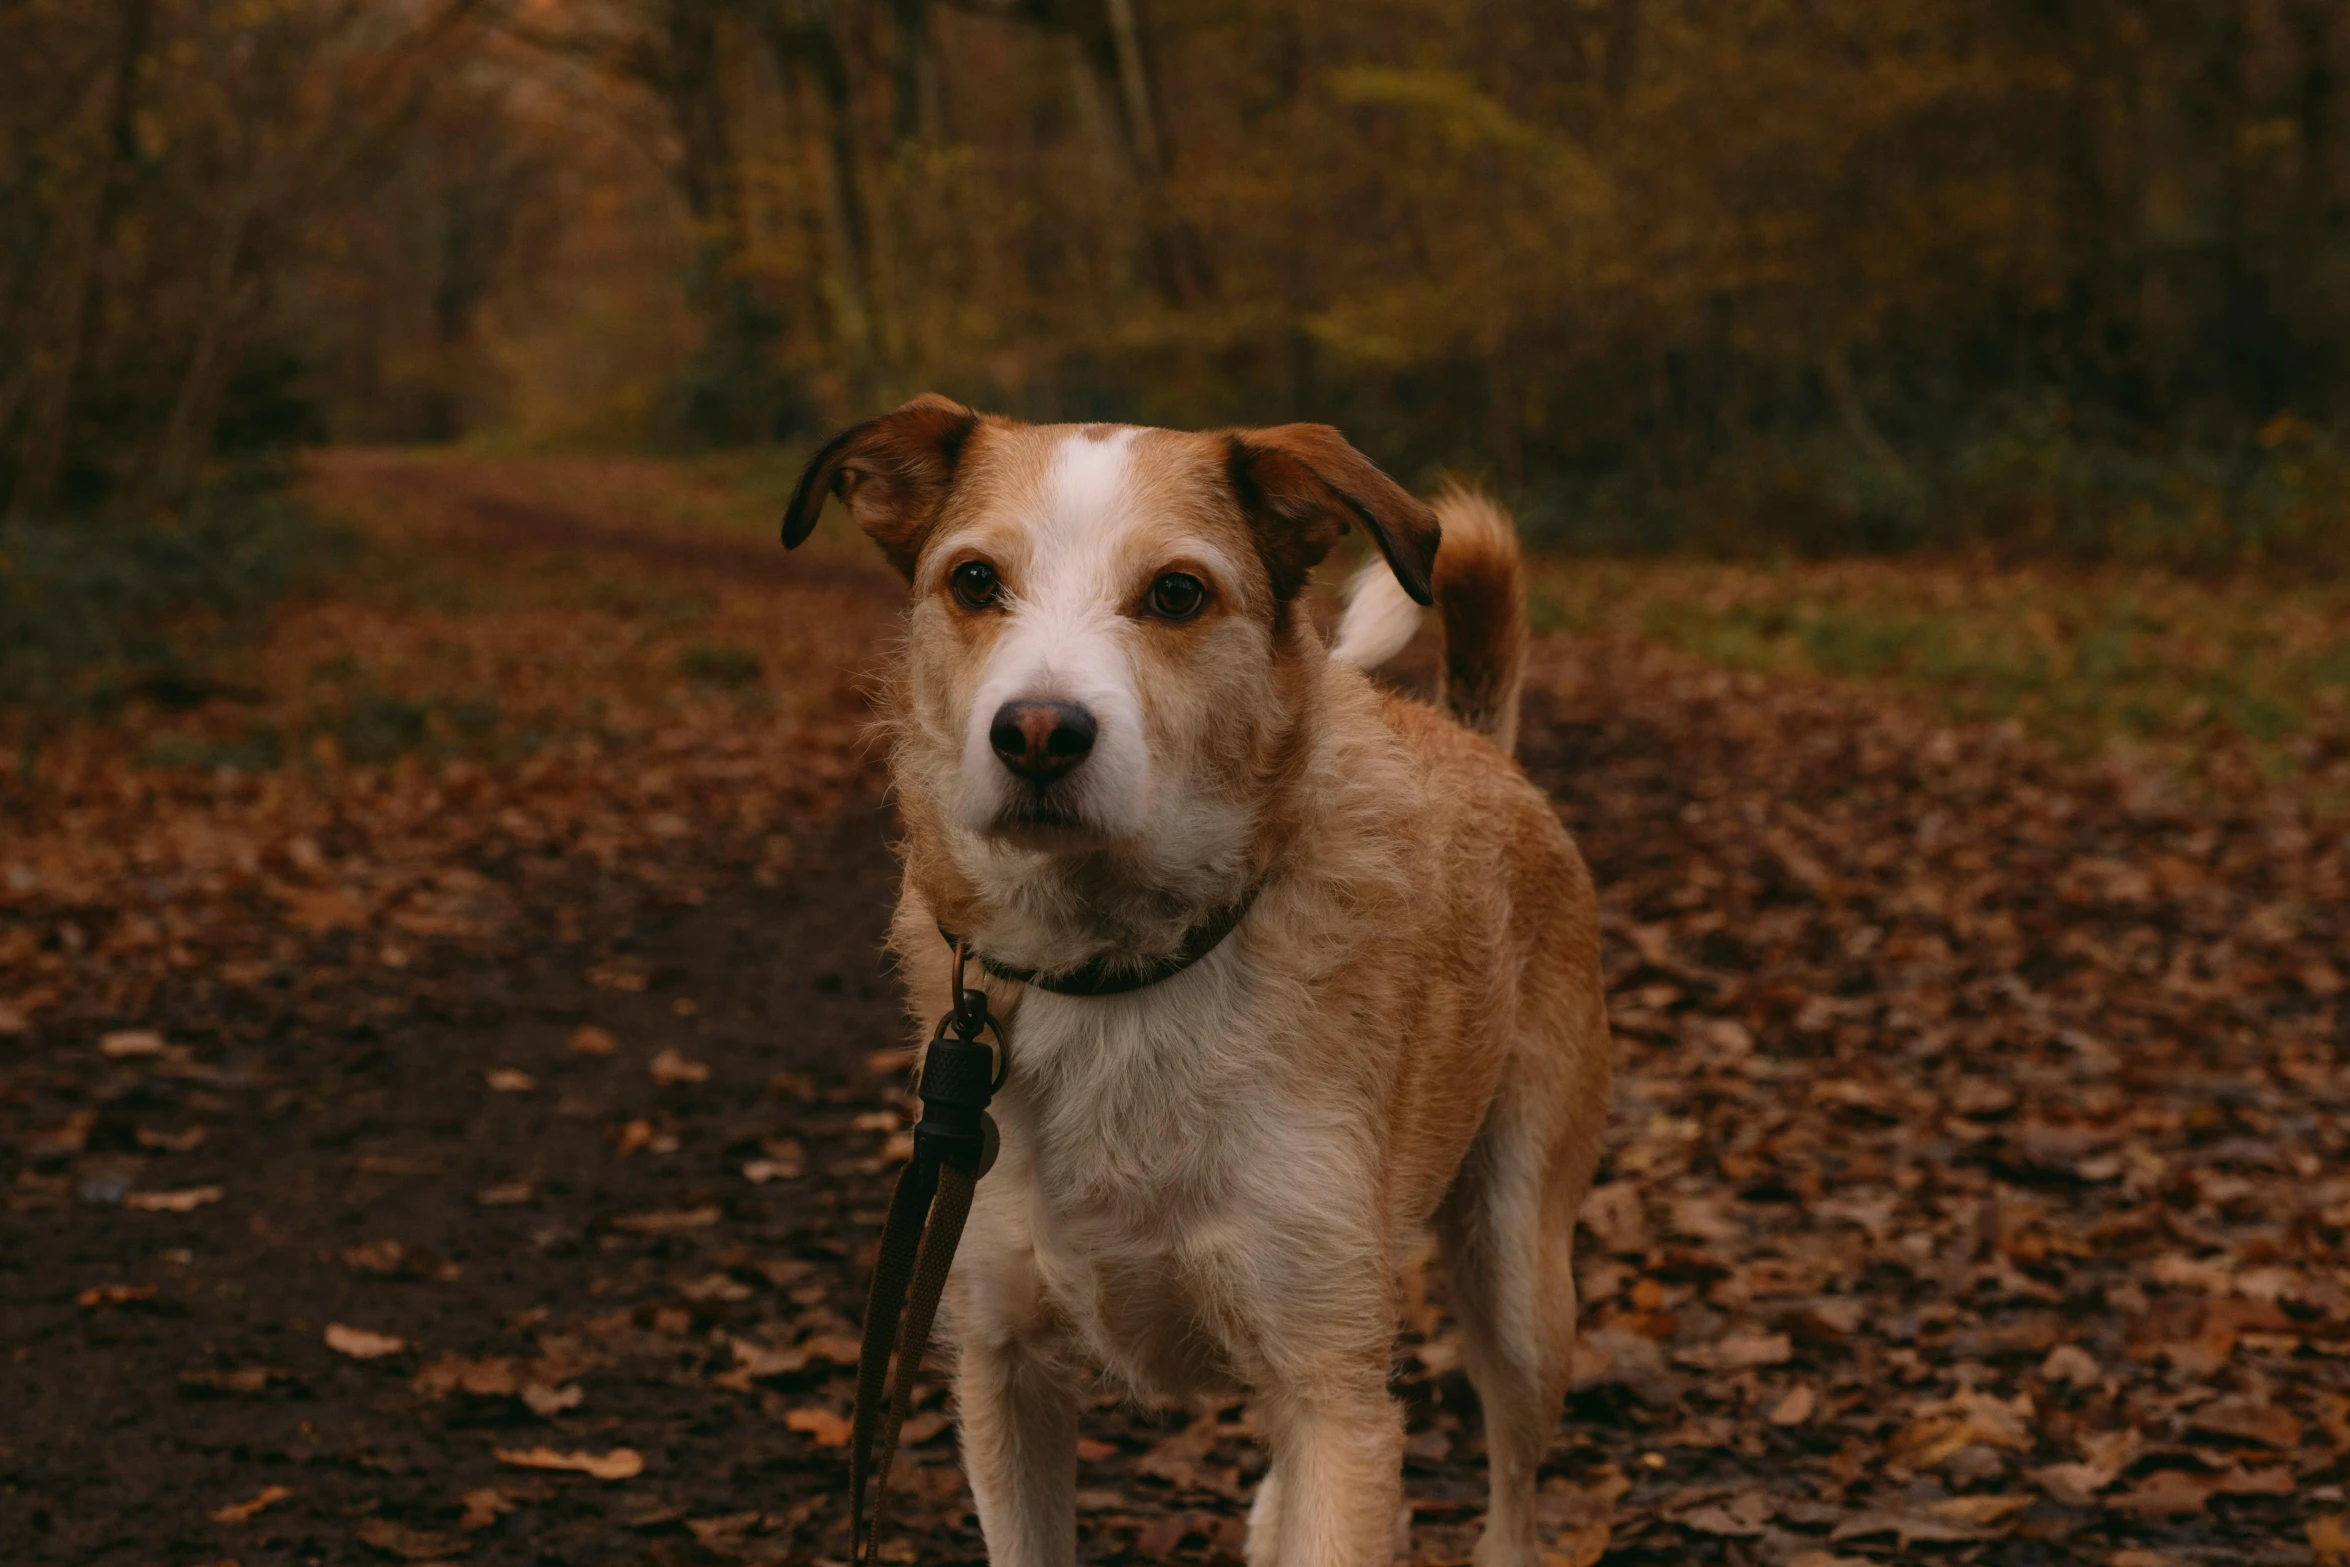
{"points": [[1507, 1232]]}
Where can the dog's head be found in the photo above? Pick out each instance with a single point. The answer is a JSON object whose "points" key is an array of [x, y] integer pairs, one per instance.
{"points": [[1103, 649]]}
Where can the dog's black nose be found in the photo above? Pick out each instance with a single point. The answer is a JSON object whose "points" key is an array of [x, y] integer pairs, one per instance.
{"points": [[1041, 740]]}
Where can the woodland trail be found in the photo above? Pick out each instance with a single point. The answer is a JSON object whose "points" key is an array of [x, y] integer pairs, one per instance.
{"points": [[1976, 1190]]}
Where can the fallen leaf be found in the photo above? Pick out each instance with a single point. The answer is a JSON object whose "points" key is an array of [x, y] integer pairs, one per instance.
{"points": [[2247, 1420], [1796, 1407], [242, 1381], [127, 1044], [2105, 1454], [786, 1160], [415, 1545], [360, 1344], [505, 1195], [668, 1223], [670, 1067], [1580, 1548], [920, 1428], [1909, 1527], [238, 1512], [1970, 1418], [1986, 1511], [318, 910], [113, 1295], [388, 1259], [1740, 1352], [493, 1377], [2203, 1355], [185, 1200], [12, 1020], [545, 1400], [1615, 1218], [2329, 1540], [589, 1040], [483, 1506], [726, 1535], [394, 1164], [507, 1080], [1703, 1219], [754, 1360], [622, 1463], [1743, 1517], [2168, 1493], [2276, 1480], [824, 1427], [2071, 1364], [170, 1142]]}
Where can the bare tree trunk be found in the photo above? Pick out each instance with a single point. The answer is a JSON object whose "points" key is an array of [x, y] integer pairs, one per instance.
{"points": [[53, 368], [1142, 118], [195, 410], [1623, 47], [910, 67], [812, 41], [1836, 371], [1178, 257]]}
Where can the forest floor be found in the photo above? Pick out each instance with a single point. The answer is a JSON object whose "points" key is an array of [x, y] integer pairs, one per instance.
{"points": [[448, 1087]]}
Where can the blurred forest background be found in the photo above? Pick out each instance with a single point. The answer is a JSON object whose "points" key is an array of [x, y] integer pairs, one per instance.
{"points": [[1752, 275]]}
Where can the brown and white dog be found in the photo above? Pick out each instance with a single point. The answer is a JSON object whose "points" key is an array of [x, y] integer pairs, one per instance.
{"points": [[1114, 723]]}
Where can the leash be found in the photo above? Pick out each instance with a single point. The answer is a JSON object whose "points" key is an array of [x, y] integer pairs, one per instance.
{"points": [[954, 1145]]}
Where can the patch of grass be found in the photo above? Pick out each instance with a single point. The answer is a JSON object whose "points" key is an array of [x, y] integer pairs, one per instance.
{"points": [[88, 603], [716, 664], [372, 727], [2032, 479], [257, 748], [360, 725], [2083, 658]]}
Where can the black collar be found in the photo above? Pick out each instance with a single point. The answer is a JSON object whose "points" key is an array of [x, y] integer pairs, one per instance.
{"points": [[1113, 975]]}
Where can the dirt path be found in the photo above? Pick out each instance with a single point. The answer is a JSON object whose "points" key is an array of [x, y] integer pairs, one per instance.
{"points": [[1975, 1189]]}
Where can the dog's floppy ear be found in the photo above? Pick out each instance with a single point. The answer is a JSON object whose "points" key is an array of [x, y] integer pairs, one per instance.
{"points": [[891, 472], [1303, 485]]}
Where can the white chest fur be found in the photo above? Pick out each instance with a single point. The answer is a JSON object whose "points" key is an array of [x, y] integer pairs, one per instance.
{"points": [[1186, 1204]]}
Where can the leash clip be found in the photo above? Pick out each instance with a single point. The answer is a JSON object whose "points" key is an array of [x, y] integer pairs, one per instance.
{"points": [[960, 1074]]}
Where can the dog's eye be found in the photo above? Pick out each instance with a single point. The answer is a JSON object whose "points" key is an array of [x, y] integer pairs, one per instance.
{"points": [[1177, 595], [974, 584]]}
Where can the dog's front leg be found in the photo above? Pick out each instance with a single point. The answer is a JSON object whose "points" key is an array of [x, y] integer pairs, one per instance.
{"points": [[1016, 1403], [1336, 1482]]}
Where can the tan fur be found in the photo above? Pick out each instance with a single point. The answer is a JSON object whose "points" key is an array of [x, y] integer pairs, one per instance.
{"points": [[1481, 593], [1217, 1179]]}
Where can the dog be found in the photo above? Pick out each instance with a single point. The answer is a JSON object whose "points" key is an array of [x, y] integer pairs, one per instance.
{"points": [[1374, 1003]]}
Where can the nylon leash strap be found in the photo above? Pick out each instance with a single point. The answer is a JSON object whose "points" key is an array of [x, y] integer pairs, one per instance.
{"points": [[954, 1143]]}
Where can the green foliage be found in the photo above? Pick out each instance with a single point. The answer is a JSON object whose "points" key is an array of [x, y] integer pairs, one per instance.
{"points": [[2126, 653], [361, 725], [88, 602], [2029, 483], [730, 668]]}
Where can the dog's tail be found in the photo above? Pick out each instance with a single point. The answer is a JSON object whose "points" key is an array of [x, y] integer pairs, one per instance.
{"points": [[1481, 597]]}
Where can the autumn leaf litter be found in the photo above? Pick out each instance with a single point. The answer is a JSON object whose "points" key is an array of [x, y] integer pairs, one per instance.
{"points": [[1976, 1182]]}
